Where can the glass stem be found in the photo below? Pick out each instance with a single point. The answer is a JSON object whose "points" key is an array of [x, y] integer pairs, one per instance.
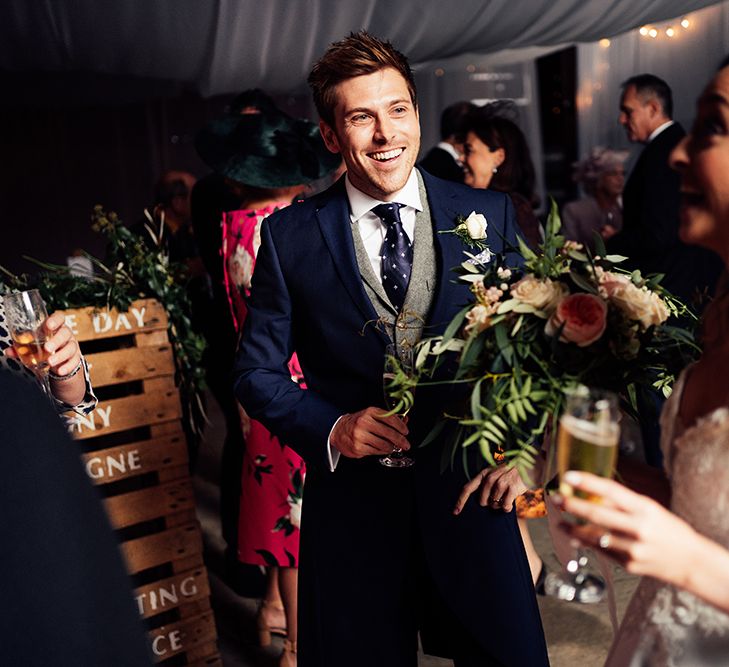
{"points": [[45, 384]]}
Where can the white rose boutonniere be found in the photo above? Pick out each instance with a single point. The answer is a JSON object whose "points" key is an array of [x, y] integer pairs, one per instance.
{"points": [[476, 226], [472, 231]]}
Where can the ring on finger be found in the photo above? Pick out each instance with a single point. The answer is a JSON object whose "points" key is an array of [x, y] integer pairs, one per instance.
{"points": [[605, 539], [497, 501]]}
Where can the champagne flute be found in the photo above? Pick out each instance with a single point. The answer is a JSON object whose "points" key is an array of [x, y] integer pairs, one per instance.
{"points": [[588, 437], [26, 315], [398, 359]]}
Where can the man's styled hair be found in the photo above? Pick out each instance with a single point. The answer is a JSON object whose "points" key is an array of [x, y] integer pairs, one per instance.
{"points": [[453, 119], [356, 55], [649, 85]]}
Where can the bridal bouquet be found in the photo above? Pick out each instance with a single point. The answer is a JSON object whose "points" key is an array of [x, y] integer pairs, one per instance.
{"points": [[534, 331]]}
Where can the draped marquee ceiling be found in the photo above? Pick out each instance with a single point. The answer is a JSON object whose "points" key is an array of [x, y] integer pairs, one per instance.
{"points": [[223, 46]]}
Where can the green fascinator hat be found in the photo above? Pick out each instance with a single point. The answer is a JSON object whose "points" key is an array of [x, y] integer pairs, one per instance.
{"points": [[264, 147]]}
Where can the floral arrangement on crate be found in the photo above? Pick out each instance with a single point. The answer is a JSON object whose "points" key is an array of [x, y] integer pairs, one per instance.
{"points": [[534, 331], [136, 267]]}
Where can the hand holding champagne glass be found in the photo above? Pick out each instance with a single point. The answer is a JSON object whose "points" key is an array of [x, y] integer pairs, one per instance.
{"points": [[588, 437], [398, 359], [45, 345], [26, 317]]}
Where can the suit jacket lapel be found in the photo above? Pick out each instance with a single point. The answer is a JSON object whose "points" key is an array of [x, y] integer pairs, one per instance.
{"points": [[449, 252], [334, 222]]}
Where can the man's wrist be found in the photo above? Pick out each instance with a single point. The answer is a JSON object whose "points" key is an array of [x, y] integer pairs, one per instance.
{"points": [[68, 376]]}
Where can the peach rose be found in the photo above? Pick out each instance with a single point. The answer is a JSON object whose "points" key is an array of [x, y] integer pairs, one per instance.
{"points": [[541, 294], [584, 317], [478, 318]]}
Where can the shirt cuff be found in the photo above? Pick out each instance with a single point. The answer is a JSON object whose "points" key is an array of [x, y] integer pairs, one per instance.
{"points": [[332, 452], [88, 402]]}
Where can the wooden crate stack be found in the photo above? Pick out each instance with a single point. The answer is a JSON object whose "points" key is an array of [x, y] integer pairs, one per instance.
{"points": [[135, 451]]}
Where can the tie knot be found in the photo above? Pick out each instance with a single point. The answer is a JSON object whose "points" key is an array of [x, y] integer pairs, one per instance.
{"points": [[389, 212]]}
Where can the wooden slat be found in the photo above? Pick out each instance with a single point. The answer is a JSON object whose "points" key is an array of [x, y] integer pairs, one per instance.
{"points": [[182, 636], [137, 458], [159, 403], [149, 338], [131, 363], [155, 502], [170, 474], [164, 428], [173, 592], [95, 323], [189, 563], [194, 608], [167, 546], [181, 518]]}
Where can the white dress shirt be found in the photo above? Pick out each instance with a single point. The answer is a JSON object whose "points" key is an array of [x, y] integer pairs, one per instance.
{"points": [[372, 230], [658, 130]]}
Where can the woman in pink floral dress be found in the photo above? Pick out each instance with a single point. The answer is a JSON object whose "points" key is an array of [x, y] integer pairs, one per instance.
{"points": [[270, 159]]}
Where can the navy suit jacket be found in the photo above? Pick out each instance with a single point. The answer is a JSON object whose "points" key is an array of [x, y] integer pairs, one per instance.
{"points": [[649, 237], [307, 295]]}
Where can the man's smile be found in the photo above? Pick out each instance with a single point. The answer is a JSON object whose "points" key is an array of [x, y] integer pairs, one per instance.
{"points": [[385, 156]]}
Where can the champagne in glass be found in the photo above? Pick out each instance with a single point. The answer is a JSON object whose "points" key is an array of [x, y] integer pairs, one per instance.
{"points": [[26, 315], [584, 445], [30, 348], [398, 359], [588, 440]]}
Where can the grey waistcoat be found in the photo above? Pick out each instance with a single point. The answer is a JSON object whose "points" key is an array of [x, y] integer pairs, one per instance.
{"points": [[407, 328]]}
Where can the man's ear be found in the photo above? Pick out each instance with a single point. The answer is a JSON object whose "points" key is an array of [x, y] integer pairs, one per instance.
{"points": [[655, 107], [329, 136]]}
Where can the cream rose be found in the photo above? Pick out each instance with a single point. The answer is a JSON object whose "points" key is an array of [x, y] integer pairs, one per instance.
{"points": [[476, 226], [582, 317], [610, 282], [478, 318], [641, 305], [541, 294]]}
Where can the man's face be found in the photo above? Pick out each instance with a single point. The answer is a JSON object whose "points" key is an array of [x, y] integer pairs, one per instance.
{"points": [[638, 117], [377, 131]]}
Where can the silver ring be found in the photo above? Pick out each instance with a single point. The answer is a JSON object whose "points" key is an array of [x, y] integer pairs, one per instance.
{"points": [[605, 539], [396, 450], [498, 501]]}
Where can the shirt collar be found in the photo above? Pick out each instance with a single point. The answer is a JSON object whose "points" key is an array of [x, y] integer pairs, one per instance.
{"points": [[361, 203], [450, 149], [659, 129]]}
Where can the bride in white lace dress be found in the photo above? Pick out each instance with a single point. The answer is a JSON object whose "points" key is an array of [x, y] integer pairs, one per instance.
{"points": [[679, 615]]}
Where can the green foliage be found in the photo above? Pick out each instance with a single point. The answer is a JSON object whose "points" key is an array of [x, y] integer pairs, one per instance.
{"points": [[518, 358], [134, 269]]}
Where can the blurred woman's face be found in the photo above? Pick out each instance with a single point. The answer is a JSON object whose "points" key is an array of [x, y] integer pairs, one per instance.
{"points": [[479, 161], [702, 159], [611, 182]]}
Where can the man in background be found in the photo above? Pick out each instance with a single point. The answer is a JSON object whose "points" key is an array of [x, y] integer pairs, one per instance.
{"points": [[650, 234], [444, 159]]}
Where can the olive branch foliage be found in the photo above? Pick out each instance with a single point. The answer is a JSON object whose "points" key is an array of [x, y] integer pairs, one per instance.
{"points": [[517, 376]]}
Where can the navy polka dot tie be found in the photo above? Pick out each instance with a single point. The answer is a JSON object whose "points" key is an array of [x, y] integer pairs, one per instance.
{"points": [[396, 254]]}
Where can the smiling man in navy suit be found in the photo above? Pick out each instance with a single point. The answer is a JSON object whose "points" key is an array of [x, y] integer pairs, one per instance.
{"points": [[337, 278]]}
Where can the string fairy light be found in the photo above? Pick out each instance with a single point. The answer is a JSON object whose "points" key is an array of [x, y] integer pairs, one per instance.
{"points": [[670, 30]]}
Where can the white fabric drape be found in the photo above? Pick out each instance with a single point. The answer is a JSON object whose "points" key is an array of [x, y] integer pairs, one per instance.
{"points": [[686, 62], [224, 46]]}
